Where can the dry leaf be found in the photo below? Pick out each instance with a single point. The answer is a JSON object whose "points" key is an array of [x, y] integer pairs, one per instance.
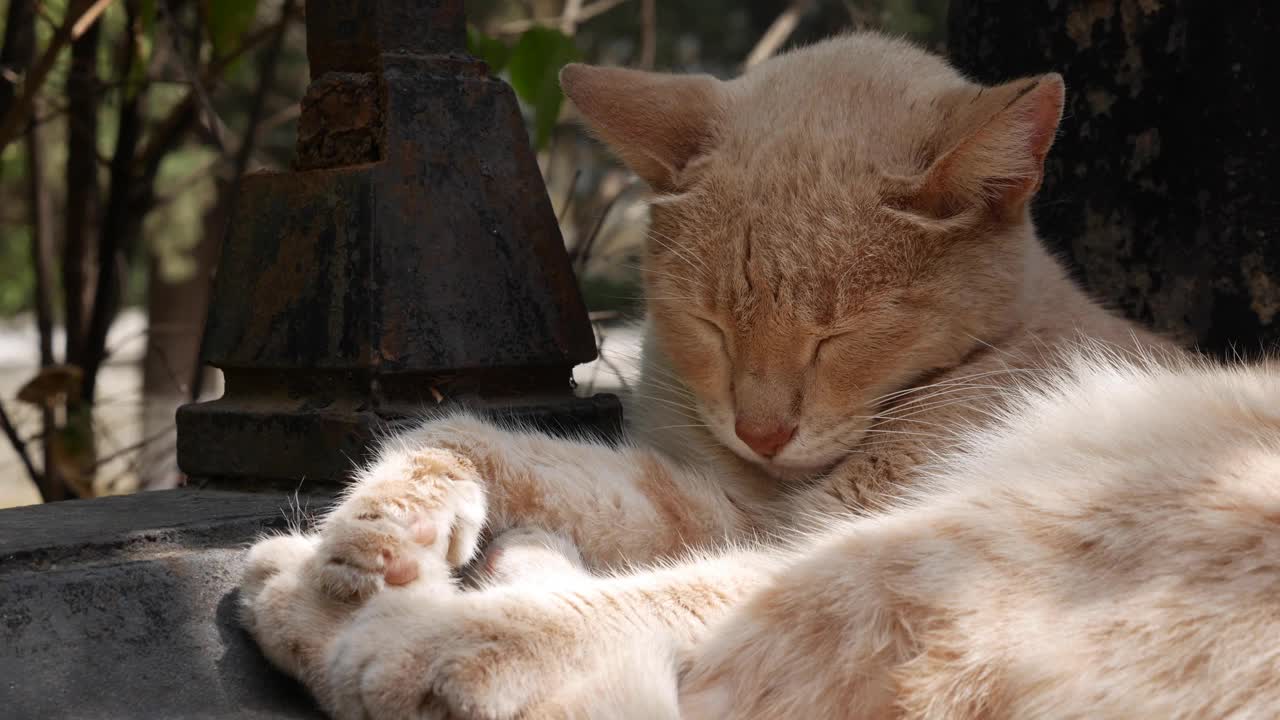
{"points": [[51, 382]]}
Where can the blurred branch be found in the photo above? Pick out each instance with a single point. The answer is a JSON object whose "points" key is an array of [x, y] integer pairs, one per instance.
{"points": [[569, 18], [39, 217], [257, 104], [171, 129], [131, 448], [217, 128], [119, 225], [583, 14], [73, 27], [21, 448], [193, 179], [648, 33], [19, 48], [82, 196], [861, 17], [776, 36], [580, 255]]}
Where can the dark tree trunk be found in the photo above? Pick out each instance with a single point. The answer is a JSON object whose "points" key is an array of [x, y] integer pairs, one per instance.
{"points": [[18, 49], [1163, 190], [79, 266]]}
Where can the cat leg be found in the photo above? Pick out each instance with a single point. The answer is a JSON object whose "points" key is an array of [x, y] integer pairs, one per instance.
{"points": [[535, 650], [823, 639], [526, 556], [436, 488]]}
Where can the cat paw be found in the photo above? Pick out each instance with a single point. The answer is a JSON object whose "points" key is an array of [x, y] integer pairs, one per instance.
{"points": [[287, 618], [413, 515], [413, 654]]}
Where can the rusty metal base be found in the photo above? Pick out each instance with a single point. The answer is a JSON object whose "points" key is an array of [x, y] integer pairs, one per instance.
{"points": [[258, 443]]}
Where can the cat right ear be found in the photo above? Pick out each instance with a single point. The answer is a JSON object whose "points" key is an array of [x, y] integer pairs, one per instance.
{"points": [[996, 157], [655, 122]]}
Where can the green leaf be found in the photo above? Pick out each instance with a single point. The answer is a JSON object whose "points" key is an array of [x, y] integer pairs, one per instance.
{"points": [[493, 51], [534, 69], [228, 21]]}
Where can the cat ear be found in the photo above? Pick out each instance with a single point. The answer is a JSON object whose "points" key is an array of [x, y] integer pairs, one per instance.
{"points": [[998, 161], [655, 122]]}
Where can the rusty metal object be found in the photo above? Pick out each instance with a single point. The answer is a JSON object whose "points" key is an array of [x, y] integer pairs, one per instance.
{"points": [[341, 122], [412, 257]]}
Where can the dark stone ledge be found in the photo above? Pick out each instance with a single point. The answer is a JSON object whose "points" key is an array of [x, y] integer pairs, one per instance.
{"points": [[126, 608]]}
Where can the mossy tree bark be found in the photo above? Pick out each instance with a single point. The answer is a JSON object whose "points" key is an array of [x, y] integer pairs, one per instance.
{"points": [[1163, 189]]}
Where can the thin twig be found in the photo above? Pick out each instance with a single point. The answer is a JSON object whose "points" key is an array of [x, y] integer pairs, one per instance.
{"points": [[515, 27], [569, 18], [861, 17], [119, 227], [129, 448], [776, 36], [21, 448], [581, 252], [50, 483], [173, 126], [217, 128], [42, 252], [648, 34], [568, 196]]}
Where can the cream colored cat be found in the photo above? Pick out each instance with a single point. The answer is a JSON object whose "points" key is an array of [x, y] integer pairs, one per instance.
{"points": [[844, 282]]}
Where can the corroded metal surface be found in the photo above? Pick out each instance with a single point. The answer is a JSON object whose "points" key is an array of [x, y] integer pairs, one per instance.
{"points": [[341, 122], [1160, 190], [357, 36], [412, 258]]}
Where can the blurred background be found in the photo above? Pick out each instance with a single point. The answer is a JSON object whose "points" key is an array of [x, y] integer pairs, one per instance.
{"points": [[125, 124]]}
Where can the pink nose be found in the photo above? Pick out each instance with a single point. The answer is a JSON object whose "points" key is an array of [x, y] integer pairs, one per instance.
{"points": [[766, 440]]}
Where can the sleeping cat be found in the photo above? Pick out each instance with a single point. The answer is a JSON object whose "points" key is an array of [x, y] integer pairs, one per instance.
{"points": [[843, 280]]}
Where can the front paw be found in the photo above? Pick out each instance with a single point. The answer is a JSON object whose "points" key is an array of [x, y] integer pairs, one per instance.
{"points": [[482, 656], [290, 621], [413, 515]]}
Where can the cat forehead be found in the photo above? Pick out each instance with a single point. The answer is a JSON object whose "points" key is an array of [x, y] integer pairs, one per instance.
{"points": [[855, 101]]}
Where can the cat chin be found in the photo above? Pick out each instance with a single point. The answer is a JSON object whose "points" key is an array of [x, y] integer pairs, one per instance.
{"points": [[791, 471]]}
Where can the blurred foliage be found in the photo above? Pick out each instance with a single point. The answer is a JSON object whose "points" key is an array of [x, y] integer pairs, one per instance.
{"points": [[185, 181], [228, 21]]}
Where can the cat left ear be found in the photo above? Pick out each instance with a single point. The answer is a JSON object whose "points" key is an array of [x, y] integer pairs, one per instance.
{"points": [[656, 122], [998, 163]]}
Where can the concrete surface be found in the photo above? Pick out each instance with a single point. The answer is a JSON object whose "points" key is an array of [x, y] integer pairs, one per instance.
{"points": [[125, 608]]}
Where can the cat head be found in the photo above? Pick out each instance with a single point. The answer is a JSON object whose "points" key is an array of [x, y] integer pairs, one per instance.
{"points": [[826, 229]]}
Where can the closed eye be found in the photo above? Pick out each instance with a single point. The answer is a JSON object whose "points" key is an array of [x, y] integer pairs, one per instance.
{"points": [[828, 343], [715, 328]]}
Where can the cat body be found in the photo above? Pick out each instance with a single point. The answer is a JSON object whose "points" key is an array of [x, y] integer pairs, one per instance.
{"points": [[1107, 549], [844, 286]]}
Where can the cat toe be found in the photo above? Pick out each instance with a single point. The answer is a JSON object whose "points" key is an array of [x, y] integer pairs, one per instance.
{"points": [[410, 519]]}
